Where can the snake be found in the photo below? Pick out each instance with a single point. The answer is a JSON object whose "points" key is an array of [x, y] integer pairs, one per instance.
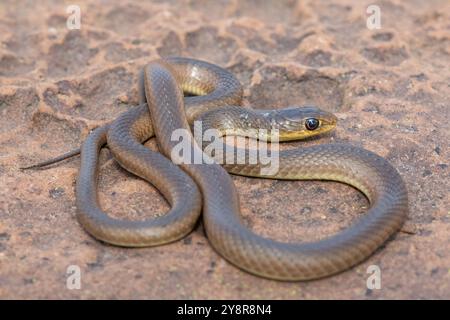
{"points": [[174, 94]]}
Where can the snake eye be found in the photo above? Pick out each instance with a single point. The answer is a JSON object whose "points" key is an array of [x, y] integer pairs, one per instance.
{"points": [[311, 124]]}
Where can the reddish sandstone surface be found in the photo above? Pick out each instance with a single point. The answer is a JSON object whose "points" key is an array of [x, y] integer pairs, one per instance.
{"points": [[388, 87]]}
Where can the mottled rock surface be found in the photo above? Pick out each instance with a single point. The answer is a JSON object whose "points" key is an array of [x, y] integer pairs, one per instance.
{"points": [[389, 88]]}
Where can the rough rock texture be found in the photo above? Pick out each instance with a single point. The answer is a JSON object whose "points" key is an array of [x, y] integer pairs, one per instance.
{"points": [[389, 88]]}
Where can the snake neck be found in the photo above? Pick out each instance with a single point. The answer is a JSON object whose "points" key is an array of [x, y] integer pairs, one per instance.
{"points": [[238, 121]]}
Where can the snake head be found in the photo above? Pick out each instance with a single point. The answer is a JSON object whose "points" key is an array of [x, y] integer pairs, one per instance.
{"points": [[296, 123]]}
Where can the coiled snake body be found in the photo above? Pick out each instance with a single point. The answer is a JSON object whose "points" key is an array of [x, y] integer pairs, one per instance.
{"points": [[208, 187]]}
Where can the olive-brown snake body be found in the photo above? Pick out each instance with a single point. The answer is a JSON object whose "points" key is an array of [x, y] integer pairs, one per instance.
{"points": [[208, 187]]}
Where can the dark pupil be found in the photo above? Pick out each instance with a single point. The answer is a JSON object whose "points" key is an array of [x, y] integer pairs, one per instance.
{"points": [[312, 124]]}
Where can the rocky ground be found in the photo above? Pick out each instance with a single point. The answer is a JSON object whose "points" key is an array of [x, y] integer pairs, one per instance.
{"points": [[389, 88]]}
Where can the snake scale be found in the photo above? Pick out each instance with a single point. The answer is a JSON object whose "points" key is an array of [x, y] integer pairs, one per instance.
{"points": [[207, 187]]}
